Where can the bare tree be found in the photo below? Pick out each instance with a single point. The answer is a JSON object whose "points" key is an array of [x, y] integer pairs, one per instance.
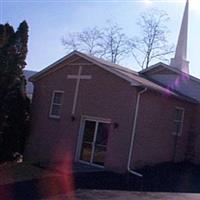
{"points": [[109, 42], [152, 44], [88, 41], [112, 43], [115, 43]]}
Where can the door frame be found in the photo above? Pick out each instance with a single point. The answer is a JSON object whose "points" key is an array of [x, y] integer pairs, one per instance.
{"points": [[80, 136]]}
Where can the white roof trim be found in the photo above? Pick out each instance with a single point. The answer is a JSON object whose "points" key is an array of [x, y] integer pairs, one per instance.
{"points": [[113, 68], [170, 68], [46, 69], [153, 66], [110, 69]]}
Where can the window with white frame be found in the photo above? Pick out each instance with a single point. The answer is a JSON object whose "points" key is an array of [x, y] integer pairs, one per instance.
{"points": [[178, 121], [56, 104]]}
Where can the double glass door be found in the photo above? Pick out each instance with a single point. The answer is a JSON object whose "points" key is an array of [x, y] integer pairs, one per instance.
{"points": [[94, 142]]}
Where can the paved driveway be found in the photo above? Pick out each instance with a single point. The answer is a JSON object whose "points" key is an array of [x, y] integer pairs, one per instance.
{"points": [[28, 182], [120, 195]]}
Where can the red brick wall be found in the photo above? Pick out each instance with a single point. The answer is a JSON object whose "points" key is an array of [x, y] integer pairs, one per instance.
{"points": [[195, 139], [105, 96], [154, 141]]}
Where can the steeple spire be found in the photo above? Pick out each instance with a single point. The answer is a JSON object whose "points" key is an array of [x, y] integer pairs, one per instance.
{"points": [[180, 60]]}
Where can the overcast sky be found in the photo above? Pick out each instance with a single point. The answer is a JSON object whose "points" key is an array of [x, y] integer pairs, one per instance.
{"points": [[50, 20]]}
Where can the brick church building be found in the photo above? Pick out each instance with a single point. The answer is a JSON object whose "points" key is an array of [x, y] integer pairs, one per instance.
{"points": [[109, 116]]}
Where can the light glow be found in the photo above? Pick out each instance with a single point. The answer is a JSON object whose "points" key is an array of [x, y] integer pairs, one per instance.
{"points": [[148, 2], [194, 4]]}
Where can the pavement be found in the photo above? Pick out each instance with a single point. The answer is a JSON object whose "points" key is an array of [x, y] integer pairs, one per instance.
{"points": [[123, 195], [24, 181]]}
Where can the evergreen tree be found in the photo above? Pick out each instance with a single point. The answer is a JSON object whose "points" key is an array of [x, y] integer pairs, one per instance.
{"points": [[14, 104]]}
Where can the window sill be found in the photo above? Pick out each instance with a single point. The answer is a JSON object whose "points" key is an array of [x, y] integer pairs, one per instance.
{"points": [[177, 134], [54, 117]]}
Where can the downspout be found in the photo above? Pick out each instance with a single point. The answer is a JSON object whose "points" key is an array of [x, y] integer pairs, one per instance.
{"points": [[133, 134]]}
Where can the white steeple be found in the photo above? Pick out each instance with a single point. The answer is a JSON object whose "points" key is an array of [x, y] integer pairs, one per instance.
{"points": [[180, 60]]}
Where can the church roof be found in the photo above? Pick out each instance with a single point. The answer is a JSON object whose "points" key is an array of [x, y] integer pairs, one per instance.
{"points": [[133, 77], [175, 70]]}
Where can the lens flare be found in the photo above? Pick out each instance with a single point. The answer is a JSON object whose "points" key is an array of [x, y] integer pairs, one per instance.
{"points": [[195, 4], [62, 184], [147, 2]]}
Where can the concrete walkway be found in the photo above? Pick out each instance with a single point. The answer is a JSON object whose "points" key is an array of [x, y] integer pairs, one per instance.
{"points": [[27, 182], [120, 195]]}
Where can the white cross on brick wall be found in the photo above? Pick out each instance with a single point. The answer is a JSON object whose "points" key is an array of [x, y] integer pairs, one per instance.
{"points": [[78, 78]]}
